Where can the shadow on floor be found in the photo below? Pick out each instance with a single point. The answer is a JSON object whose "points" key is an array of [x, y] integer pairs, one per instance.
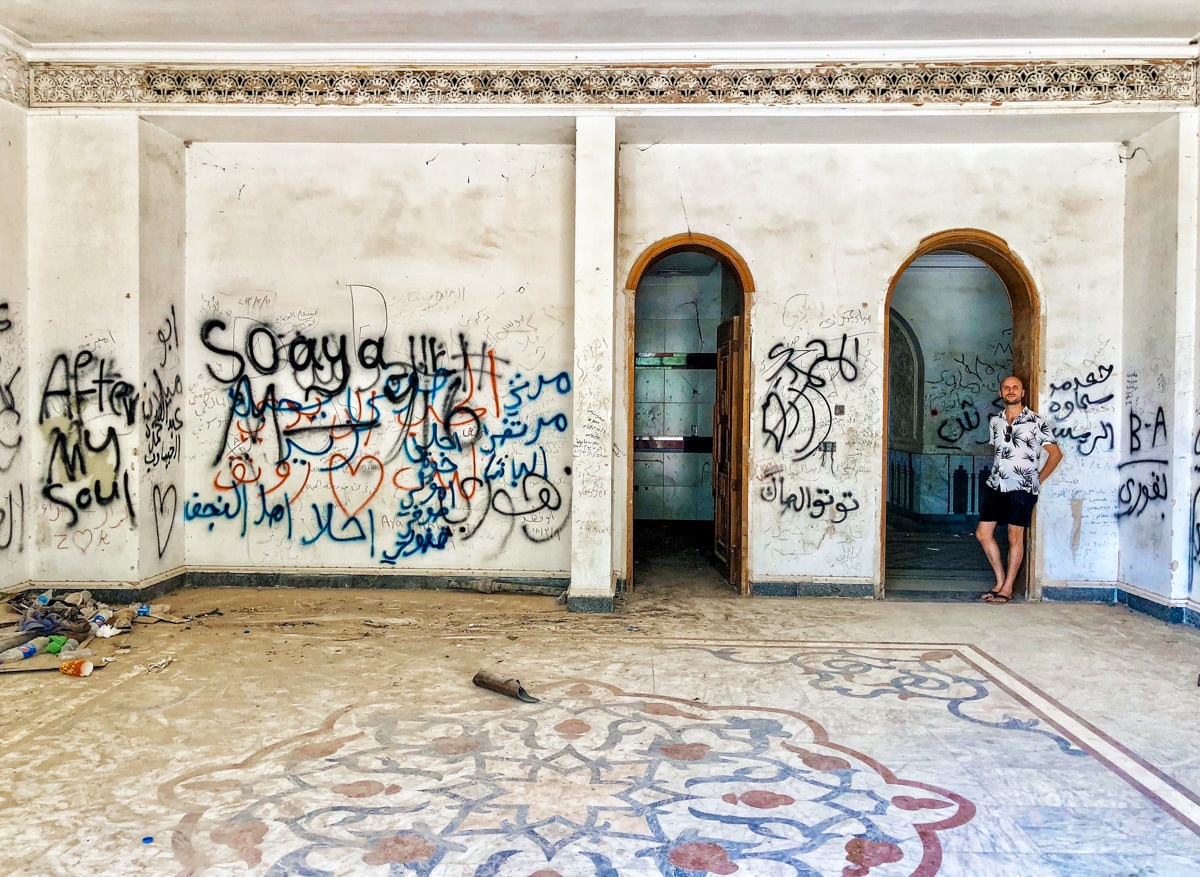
{"points": [[675, 558], [932, 564]]}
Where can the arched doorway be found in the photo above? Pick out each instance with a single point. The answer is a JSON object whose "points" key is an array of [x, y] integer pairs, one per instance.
{"points": [[963, 309], [687, 301]]}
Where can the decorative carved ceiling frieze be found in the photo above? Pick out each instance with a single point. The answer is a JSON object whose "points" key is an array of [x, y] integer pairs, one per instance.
{"points": [[991, 84], [14, 78]]}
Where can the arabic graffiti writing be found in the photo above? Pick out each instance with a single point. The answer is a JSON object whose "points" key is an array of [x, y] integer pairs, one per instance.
{"points": [[816, 501], [12, 491], [954, 396], [1144, 482], [796, 414], [951, 431], [10, 411], [1076, 403], [340, 438], [1194, 519], [162, 428]]}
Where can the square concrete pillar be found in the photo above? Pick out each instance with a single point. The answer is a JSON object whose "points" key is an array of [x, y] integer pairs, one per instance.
{"points": [[106, 246], [592, 583]]}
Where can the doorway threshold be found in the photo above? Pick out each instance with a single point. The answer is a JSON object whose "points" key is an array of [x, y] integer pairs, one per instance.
{"points": [[936, 586]]}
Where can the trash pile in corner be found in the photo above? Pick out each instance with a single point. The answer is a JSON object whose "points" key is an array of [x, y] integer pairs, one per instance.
{"points": [[55, 632]]}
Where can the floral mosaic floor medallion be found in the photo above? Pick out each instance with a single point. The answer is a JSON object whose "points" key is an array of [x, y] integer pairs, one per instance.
{"points": [[593, 781]]}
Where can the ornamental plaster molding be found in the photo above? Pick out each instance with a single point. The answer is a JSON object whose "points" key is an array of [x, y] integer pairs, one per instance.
{"points": [[988, 84], [14, 78]]}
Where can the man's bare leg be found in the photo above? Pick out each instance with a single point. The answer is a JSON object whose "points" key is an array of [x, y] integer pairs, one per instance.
{"points": [[1016, 553], [986, 534]]}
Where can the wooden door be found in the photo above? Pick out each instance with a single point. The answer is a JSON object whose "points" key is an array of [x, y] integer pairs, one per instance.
{"points": [[727, 453]]}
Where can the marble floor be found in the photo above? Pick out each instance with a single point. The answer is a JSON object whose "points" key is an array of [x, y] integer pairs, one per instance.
{"points": [[691, 732]]}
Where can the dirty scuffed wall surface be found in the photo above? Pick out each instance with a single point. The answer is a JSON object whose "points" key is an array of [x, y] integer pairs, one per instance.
{"points": [[14, 416], [379, 358], [823, 255]]}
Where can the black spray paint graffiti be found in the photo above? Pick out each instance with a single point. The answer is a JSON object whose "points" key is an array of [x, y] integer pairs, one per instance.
{"points": [[84, 401], [796, 413], [1084, 396], [10, 413], [12, 503], [421, 449], [952, 430], [162, 428], [953, 394], [1194, 519], [1137, 428], [162, 405], [12, 519], [1144, 480], [817, 502]]}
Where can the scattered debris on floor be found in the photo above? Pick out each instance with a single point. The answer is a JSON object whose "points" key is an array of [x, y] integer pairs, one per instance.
{"points": [[51, 631]]}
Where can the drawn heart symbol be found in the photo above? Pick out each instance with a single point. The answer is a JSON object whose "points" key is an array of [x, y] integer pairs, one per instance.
{"points": [[345, 479], [84, 543], [160, 499]]}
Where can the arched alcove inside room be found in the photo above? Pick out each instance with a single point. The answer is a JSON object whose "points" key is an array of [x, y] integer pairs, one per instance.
{"points": [[964, 309]]}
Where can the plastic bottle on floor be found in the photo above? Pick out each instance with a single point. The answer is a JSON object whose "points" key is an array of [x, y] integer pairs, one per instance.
{"points": [[20, 653]]}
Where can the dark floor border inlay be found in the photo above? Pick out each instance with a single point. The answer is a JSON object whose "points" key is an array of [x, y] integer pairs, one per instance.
{"points": [[811, 589], [540, 586]]}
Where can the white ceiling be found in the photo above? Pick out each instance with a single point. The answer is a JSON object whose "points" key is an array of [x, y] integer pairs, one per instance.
{"points": [[430, 23]]}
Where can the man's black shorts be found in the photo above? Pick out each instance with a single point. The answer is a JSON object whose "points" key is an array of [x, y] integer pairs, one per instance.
{"points": [[1014, 507]]}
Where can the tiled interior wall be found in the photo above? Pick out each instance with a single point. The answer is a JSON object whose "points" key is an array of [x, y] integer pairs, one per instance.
{"points": [[675, 315]]}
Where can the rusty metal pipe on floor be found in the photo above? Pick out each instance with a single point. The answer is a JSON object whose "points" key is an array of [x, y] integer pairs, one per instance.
{"points": [[509, 687]]}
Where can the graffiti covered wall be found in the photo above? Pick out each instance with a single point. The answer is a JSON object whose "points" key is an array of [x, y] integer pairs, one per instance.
{"points": [[1144, 499], [822, 260], [378, 367], [14, 324], [83, 421], [161, 428]]}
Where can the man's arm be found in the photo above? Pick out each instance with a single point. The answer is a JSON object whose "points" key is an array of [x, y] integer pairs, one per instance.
{"points": [[1053, 458]]}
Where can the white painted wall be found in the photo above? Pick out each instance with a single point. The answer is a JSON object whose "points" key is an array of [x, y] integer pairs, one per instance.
{"points": [[1186, 459], [163, 438], [83, 302], [1147, 411], [822, 253], [435, 249], [15, 420]]}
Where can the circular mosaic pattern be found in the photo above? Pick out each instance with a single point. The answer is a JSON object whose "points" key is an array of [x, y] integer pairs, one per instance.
{"points": [[590, 781]]}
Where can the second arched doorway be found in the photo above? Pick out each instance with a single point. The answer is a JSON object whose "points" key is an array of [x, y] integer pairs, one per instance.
{"points": [[687, 334], [963, 313]]}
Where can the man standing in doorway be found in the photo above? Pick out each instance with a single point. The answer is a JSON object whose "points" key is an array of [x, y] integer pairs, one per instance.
{"points": [[1018, 436]]}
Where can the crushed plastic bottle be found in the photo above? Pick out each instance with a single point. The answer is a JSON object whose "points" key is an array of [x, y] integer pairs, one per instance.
{"points": [[20, 653], [44, 599]]}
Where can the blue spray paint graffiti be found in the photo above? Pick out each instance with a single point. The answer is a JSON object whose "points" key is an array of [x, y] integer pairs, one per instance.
{"points": [[336, 439]]}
